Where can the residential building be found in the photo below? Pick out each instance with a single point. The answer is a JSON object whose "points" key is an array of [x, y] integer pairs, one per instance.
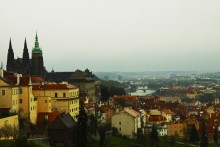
{"points": [[127, 122], [176, 129], [16, 95], [61, 130], [167, 114], [53, 97], [88, 83]]}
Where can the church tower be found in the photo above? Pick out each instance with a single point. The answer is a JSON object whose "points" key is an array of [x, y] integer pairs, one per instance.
{"points": [[10, 59], [37, 63], [26, 59]]}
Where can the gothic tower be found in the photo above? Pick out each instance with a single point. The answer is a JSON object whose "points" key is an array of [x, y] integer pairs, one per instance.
{"points": [[10, 59], [37, 63], [26, 59]]}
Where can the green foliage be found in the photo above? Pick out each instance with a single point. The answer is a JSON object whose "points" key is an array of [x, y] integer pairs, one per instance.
{"points": [[20, 141], [154, 134], [215, 136], [111, 88], [119, 141], [121, 101], [204, 138], [193, 136], [81, 127]]}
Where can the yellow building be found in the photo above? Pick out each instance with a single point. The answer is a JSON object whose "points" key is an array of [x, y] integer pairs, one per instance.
{"points": [[64, 97], [27, 102], [176, 129], [9, 94], [16, 95], [127, 122]]}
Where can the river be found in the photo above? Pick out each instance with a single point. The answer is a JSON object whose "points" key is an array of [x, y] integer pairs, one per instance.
{"points": [[141, 92]]}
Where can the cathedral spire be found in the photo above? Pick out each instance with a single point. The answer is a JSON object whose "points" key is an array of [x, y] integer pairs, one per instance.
{"points": [[36, 41], [10, 58], [10, 46], [36, 48], [25, 43], [26, 59]]}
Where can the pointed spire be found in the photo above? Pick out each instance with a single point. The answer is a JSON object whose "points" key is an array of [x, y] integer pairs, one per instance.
{"points": [[26, 58], [10, 46], [10, 58], [25, 44], [36, 41]]}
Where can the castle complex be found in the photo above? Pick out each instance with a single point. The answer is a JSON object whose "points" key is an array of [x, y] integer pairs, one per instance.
{"points": [[25, 65]]}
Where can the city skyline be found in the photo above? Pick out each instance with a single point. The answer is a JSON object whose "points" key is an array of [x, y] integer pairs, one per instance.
{"points": [[120, 35]]}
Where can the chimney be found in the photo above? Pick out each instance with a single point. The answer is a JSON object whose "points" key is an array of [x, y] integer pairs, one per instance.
{"points": [[1, 72], [30, 82], [18, 79]]}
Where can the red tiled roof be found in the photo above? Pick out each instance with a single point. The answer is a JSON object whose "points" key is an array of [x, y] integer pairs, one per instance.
{"points": [[167, 111], [25, 80], [131, 112], [154, 118], [51, 116], [127, 98]]}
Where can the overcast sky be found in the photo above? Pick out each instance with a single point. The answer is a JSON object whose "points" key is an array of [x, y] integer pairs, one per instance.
{"points": [[115, 35]]}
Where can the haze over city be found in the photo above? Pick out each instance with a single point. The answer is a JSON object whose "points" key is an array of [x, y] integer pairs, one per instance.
{"points": [[117, 35]]}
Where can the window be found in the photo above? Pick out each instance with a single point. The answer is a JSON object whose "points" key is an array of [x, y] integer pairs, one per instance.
{"points": [[64, 94], [3, 92], [55, 94], [45, 101], [119, 123], [20, 91], [20, 101]]}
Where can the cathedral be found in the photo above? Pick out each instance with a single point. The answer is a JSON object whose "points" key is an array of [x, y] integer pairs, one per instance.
{"points": [[25, 65]]}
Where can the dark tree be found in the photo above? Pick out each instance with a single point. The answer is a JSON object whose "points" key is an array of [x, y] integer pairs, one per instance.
{"points": [[121, 101], [104, 93], [154, 134], [81, 126], [194, 136], [215, 136], [102, 130], [204, 138], [92, 124]]}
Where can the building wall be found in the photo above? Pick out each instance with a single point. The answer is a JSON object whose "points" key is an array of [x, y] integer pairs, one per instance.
{"points": [[167, 116], [88, 87], [28, 104], [44, 104], [10, 98], [176, 128], [126, 124], [61, 99]]}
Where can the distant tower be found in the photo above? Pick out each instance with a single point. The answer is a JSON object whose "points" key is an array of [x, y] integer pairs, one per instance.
{"points": [[10, 59], [37, 63], [26, 59]]}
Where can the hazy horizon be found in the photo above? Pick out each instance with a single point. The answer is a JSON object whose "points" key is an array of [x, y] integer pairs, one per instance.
{"points": [[117, 35]]}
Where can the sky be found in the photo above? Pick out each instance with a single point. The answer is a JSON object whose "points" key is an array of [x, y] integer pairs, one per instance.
{"points": [[115, 35]]}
